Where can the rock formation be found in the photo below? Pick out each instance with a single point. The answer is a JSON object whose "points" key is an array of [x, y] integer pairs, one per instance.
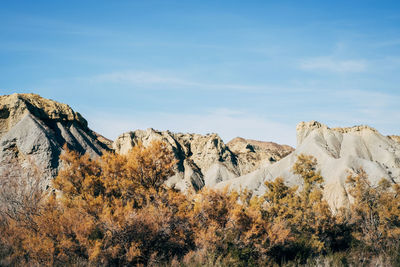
{"points": [[37, 128], [204, 160], [251, 153], [338, 151]]}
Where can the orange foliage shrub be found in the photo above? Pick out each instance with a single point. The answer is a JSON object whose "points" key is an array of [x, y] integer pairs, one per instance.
{"points": [[115, 210], [304, 214], [374, 213]]}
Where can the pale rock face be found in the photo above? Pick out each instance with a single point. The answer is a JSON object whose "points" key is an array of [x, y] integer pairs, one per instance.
{"points": [[34, 128], [37, 128], [195, 153], [339, 151], [204, 160], [251, 154], [303, 129], [16, 106]]}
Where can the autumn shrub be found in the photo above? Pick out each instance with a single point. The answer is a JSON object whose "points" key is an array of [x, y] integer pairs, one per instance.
{"points": [[128, 215], [283, 224], [374, 214], [115, 211], [306, 217], [22, 196]]}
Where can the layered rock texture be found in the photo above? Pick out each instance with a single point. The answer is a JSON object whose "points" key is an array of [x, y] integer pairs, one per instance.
{"points": [[205, 160], [251, 154], [339, 152], [35, 128]]}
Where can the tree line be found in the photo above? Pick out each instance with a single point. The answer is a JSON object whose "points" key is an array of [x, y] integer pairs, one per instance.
{"points": [[116, 211]]}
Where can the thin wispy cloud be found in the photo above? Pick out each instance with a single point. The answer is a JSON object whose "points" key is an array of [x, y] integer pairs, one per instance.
{"points": [[142, 78], [333, 65]]}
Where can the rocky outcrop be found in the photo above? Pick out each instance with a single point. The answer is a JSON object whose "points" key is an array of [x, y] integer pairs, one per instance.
{"points": [[16, 106], [204, 160], [251, 154], [37, 128], [339, 151], [34, 129]]}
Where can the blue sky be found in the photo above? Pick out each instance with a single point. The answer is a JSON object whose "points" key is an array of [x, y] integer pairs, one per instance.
{"points": [[239, 68]]}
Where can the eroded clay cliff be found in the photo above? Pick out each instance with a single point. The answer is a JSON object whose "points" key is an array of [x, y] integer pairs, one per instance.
{"points": [[339, 152], [35, 128], [205, 160]]}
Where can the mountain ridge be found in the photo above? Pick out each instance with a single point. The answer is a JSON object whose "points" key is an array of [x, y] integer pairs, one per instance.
{"points": [[203, 160], [38, 128], [339, 152]]}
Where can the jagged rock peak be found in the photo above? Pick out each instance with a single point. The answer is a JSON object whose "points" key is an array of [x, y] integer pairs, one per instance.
{"points": [[252, 154], [14, 107], [37, 128], [303, 129], [310, 125], [357, 128], [239, 141], [201, 158], [339, 152], [129, 139], [205, 160]]}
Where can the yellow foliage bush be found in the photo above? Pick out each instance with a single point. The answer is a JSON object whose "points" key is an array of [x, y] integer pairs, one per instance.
{"points": [[115, 210], [375, 212]]}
